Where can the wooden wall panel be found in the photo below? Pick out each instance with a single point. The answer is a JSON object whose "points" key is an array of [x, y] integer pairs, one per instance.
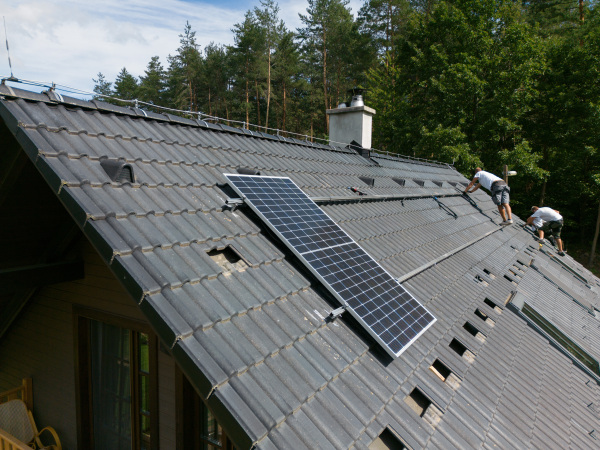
{"points": [[40, 345]]}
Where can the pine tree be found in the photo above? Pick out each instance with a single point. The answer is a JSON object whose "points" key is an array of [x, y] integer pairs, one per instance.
{"points": [[102, 87], [153, 83], [126, 85]]}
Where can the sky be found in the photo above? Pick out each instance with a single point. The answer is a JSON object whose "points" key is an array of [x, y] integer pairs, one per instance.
{"points": [[68, 42]]}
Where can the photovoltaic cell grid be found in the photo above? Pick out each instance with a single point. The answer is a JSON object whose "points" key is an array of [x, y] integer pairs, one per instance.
{"points": [[389, 312]]}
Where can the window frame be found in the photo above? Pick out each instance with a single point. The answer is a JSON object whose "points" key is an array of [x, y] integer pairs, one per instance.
{"points": [[83, 384]]}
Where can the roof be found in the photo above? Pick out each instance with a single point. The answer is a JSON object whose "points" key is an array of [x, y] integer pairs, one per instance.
{"points": [[253, 338]]}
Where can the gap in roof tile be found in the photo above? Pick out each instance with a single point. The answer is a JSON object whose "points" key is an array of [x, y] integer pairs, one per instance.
{"points": [[462, 350], [489, 273], [387, 440], [493, 305], [472, 329], [483, 316], [444, 373], [228, 259]]}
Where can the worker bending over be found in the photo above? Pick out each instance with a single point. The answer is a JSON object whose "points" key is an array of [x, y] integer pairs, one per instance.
{"points": [[499, 189], [553, 223]]}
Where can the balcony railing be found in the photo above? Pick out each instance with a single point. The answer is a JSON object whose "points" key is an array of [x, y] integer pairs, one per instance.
{"points": [[8, 442]]}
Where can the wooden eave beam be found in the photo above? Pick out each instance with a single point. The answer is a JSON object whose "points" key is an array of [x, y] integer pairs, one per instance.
{"points": [[42, 274]]}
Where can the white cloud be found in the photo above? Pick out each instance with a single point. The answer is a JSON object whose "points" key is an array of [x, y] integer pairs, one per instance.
{"points": [[69, 41]]}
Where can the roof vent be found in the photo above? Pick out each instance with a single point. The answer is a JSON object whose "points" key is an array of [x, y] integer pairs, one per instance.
{"points": [[452, 183], [438, 183], [118, 171], [247, 171], [368, 181], [419, 182], [400, 181]]}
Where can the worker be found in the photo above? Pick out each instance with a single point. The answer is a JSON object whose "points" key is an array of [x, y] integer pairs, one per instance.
{"points": [[552, 224], [499, 189]]}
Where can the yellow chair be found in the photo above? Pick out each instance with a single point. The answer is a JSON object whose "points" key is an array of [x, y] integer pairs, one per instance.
{"points": [[17, 428], [18, 421]]}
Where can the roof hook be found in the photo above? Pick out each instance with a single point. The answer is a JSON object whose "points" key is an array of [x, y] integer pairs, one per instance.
{"points": [[335, 314]]}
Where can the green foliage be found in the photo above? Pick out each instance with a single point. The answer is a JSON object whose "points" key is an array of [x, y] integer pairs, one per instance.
{"points": [[102, 87], [476, 82], [126, 86]]}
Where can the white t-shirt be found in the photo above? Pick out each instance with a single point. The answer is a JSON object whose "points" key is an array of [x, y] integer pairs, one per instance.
{"points": [[538, 223], [486, 179], [547, 214]]}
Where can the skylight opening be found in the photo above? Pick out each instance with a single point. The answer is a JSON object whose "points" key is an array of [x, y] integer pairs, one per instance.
{"points": [[562, 339], [511, 280]]}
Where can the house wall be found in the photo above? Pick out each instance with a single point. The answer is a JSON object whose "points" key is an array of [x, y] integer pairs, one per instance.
{"points": [[40, 344]]}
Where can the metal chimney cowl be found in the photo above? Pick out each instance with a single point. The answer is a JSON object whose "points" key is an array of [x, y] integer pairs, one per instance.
{"points": [[351, 121]]}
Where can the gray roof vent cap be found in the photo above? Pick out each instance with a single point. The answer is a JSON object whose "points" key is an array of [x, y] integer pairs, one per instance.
{"points": [[118, 171], [248, 171]]}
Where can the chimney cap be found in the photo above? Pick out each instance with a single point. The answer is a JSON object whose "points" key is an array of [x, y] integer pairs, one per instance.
{"points": [[357, 91]]}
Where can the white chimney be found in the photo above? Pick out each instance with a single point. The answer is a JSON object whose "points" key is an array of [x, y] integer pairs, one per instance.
{"points": [[351, 122]]}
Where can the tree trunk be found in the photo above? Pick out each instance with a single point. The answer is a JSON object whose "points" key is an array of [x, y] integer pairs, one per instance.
{"points": [[268, 89], [595, 241], [324, 82], [257, 102], [247, 98], [284, 99], [543, 194]]}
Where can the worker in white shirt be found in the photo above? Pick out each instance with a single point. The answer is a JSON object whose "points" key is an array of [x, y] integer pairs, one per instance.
{"points": [[499, 189], [552, 224]]}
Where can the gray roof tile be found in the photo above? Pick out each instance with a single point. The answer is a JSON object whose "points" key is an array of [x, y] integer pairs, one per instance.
{"points": [[255, 343]]}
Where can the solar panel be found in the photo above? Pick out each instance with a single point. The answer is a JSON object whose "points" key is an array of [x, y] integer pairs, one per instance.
{"points": [[387, 311]]}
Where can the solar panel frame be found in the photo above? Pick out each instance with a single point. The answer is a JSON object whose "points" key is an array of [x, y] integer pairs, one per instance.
{"points": [[354, 278]]}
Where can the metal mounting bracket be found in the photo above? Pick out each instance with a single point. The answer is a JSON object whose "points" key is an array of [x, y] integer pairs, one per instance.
{"points": [[336, 313]]}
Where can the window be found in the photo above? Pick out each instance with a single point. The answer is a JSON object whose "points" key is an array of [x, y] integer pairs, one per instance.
{"points": [[562, 339], [197, 427], [117, 384]]}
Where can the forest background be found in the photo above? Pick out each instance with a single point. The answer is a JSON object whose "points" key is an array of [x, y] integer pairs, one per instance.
{"points": [[471, 82]]}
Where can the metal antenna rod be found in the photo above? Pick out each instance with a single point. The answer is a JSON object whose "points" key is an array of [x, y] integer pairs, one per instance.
{"points": [[7, 49]]}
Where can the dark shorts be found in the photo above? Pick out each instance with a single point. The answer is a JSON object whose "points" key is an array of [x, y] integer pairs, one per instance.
{"points": [[500, 194], [553, 228]]}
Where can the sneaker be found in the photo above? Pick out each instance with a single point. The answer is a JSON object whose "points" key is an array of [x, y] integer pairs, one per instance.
{"points": [[506, 222], [561, 253]]}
